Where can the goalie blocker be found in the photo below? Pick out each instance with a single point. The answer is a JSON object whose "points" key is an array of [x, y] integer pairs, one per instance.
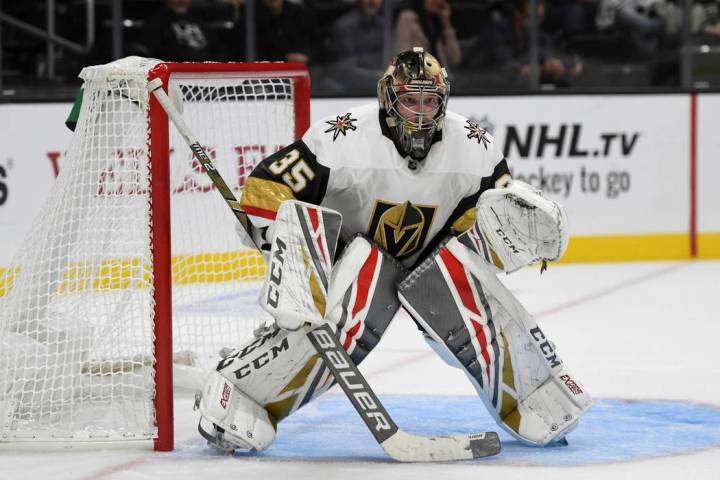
{"points": [[476, 324]]}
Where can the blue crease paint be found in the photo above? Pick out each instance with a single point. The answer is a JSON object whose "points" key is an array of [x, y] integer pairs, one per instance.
{"points": [[612, 431]]}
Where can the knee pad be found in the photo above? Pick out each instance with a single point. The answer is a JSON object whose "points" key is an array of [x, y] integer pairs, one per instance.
{"points": [[363, 292]]}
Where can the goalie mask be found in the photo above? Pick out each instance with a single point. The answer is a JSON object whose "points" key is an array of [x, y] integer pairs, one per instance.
{"points": [[413, 93]]}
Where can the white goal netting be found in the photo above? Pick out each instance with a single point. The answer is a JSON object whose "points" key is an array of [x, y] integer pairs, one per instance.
{"points": [[76, 304]]}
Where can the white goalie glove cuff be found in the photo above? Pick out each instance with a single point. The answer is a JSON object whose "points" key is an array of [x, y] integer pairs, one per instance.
{"points": [[522, 226]]}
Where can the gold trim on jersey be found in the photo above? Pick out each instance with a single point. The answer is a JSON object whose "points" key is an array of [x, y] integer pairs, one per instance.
{"points": [[465, 221], [265, 194], [503, 181]]}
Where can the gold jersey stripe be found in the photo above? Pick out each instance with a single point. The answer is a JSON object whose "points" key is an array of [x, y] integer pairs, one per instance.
{"points": [[265, 194], [466, 220]]}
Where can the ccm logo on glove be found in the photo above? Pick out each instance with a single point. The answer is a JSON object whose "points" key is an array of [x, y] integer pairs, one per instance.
{"points": [[506, 240]]}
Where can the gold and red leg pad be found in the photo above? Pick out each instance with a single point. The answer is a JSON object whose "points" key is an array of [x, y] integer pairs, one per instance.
{"points": [[475, 320], [280, 370]]}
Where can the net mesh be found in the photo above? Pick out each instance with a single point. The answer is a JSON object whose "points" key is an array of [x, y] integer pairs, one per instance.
{"points": [[76, 304]]}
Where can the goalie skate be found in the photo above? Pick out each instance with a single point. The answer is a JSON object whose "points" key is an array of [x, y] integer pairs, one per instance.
{"points": [[215, 437]]}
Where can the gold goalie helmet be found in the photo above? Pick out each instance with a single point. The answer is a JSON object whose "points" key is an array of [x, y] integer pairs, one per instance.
{"points": [[413, 94]]}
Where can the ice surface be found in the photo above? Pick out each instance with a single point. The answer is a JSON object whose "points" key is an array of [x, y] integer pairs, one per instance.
{"points": [[642, 338]]}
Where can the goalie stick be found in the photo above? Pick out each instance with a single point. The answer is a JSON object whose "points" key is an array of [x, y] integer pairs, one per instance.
{"points": [[398, 444]]}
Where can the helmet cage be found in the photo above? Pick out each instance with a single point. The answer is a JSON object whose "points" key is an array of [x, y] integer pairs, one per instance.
{"points": [[418, 119], [418, 77]]}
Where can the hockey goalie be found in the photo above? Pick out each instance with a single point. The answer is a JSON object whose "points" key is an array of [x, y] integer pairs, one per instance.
{"points": [[396, 205]]}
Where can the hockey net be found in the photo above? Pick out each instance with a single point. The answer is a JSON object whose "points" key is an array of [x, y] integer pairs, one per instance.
{"points": [[91, 304]]}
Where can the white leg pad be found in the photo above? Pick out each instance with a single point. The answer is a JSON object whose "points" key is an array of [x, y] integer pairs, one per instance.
{"points": [[477, 324], [246, 423]]}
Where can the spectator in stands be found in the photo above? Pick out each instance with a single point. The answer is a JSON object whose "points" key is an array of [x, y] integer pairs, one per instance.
{"points": [[710, 26], [358, 39], [174, 34], [712, 30], [505, 47], [285, 32], [639, 22], [426, 23], [565, 19]]}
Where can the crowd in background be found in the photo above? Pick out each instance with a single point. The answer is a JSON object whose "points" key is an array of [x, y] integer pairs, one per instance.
{"points": [[485, 44]]}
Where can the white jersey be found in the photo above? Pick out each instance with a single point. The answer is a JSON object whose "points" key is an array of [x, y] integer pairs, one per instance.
{"points": [[352, 166]]}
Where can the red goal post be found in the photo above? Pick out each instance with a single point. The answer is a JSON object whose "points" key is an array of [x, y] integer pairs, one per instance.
{"points": [[298, 74]]}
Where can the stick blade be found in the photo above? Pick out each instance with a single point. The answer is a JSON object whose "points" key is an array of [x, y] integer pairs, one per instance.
{"points": [[405, 447], [487, 446]]}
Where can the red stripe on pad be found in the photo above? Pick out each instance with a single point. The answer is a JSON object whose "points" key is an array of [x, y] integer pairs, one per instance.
{"points": [[459, 279], [480, 335], [367, 272], [350, 334], [457, 274], [312, 213], [322, 249]]}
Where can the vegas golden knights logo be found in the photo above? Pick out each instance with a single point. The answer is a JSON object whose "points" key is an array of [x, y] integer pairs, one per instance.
{"points": [[401, 229]]}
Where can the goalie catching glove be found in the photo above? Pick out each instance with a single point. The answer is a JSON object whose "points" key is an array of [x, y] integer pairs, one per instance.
{"points": [[522, 226]]}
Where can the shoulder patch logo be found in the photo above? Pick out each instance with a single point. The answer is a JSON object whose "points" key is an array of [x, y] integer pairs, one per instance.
{"points": [[341, 125], [476, 131]]}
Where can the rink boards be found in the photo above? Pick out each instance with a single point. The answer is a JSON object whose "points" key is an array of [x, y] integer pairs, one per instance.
{"points": [[635, 172]]}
